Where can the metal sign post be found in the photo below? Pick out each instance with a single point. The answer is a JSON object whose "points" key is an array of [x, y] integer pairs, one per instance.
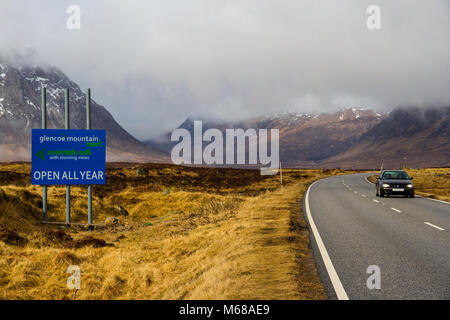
{"points": [[88, 126], [67, 127], [68, 157], [44, 126]]}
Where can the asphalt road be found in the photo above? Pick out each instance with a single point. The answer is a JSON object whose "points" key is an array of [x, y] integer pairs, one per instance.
{"points": [[352, 229]]}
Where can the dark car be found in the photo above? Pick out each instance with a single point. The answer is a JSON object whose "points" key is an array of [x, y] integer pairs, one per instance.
{"points": [[394, 182]]}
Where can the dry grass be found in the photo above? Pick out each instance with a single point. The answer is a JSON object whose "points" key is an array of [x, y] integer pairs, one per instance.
{"points": [[192, 233], [429, 182]]}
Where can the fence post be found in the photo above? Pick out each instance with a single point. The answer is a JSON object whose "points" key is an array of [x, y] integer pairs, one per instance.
{"points": [[67, 116], [88, 126], [44, 126], [281, 175]]}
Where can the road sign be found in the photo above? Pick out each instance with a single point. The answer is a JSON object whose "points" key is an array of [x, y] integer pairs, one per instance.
{"points": [[68, 157]]}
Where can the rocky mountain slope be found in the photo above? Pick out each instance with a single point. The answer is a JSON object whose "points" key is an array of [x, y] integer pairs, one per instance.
{"points": [[20, 111], [352, 138], [305, 139], [408, 136], [309, 139]]}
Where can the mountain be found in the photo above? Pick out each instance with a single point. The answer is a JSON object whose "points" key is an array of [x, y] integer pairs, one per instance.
{"points": [[309, 139], [305, 139], [352, 138], [20, 111], [408, 136]]}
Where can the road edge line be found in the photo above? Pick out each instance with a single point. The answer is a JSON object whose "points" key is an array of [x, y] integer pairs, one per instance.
{"points": [[441, 201], [367, 180], [332, 274]]}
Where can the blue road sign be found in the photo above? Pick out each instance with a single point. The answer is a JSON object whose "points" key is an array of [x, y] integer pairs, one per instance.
{"points": [[68, 157]]}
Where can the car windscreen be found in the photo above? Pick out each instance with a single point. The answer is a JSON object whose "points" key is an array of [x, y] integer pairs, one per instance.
{"points": [[400, 175]]}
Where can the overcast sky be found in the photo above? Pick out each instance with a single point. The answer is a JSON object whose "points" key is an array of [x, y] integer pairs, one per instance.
{"points": [[154, 63]]}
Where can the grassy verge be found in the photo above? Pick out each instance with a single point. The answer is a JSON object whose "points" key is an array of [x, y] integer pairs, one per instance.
{"points": [[190, 233], [429, 182]]}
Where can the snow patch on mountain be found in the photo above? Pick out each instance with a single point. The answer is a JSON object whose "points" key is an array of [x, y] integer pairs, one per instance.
{"points": [[20, 111]]}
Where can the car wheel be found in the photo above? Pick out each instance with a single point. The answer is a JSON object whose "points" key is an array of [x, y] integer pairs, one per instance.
{"points": [[381, 193], [412, 195], [377, 194]]}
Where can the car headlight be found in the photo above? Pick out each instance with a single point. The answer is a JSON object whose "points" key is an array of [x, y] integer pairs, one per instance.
{"points": [[409, 185], [385, 185]]}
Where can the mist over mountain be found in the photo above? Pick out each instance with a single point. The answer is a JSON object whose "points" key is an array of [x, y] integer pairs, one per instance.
{"points": [[409, 136], [169, 60], [21, 80], [350, 138], [305, 139]]}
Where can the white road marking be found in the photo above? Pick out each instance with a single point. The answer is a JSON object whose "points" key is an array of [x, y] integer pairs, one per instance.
{"points": [[375, 200], [335, 281], [396, 210], [367, 180], [432, 225], [363, 195], [356, 192], [441, 201], [350, 189]]}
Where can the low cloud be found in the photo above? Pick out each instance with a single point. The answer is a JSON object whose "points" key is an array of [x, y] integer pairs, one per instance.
{"points": [[153, 63]]}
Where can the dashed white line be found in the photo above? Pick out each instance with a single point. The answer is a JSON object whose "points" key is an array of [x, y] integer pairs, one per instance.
{"points": [[396, 210], [355, 192], [432, 225], [364, 196], [375, 200]]}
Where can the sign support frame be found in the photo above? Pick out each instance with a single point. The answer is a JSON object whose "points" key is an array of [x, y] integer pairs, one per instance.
{"points": [[67, 118], [88, 127], [44, 126], [67, 127]]}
